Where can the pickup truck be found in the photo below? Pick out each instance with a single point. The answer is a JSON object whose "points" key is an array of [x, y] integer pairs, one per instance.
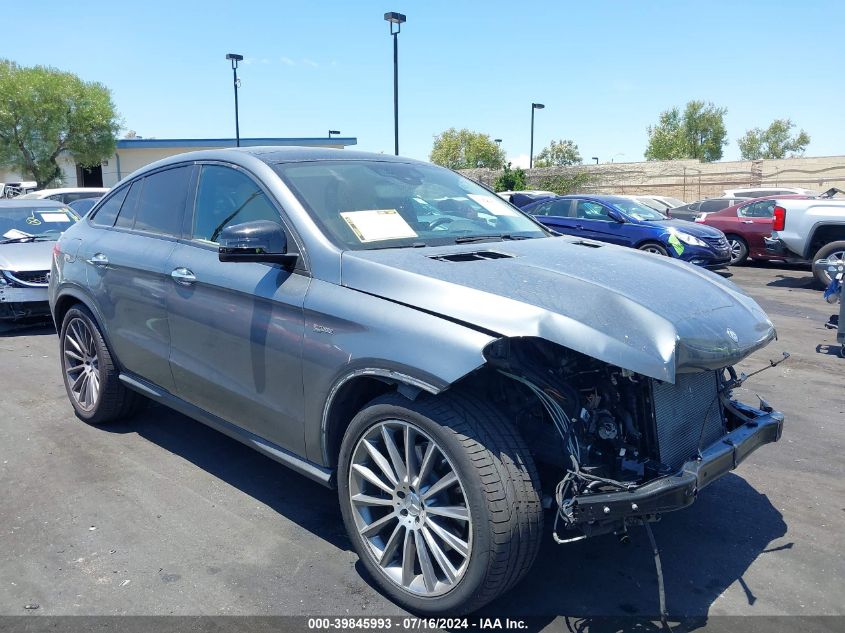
{"points": [[809, 230]]}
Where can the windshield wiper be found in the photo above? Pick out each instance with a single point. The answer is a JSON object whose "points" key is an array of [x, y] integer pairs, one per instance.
{"points": [[412, 245], [466, 239]]}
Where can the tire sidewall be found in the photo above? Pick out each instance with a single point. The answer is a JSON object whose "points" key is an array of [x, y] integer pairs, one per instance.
{"points": [[744, 255], [448, 441], [79, 312], [823, 252], [663, 251]]}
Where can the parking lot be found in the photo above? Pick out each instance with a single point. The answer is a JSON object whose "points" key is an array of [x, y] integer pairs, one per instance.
{"points": [[160, 515]]}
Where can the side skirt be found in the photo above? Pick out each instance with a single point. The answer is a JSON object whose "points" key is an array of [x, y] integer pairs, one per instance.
{"points": [[311, 470]]}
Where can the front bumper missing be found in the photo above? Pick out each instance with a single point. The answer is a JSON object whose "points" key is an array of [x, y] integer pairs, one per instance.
{"points": [[678, 491]]}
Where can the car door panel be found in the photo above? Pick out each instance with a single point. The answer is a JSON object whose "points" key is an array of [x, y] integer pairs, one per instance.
{"points": [[237, 327], [237, 342]]}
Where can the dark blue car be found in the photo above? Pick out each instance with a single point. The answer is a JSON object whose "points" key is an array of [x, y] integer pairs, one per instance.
{"points": [[623, 221]]}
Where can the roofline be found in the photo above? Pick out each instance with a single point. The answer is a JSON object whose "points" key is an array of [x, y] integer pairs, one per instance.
{"points": [[126, 143]]}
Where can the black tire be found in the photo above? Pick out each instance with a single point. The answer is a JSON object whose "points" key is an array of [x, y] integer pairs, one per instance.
{"points": [[502, 493], [824, 252], [114, 401], [739, 250], [653, 247]]}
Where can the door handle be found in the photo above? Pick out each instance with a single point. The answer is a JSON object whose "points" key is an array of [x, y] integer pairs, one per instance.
{"points": [[99, 260], [183, 276], [748, 221]]}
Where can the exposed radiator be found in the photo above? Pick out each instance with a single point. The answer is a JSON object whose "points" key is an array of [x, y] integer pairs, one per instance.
{"points": [[679, 412]]}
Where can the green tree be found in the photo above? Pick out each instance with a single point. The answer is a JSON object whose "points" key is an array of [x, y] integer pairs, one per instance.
{"points": [[573, 182], [773, 142], [511, 180], [558, 154], [699, 132], [465, 149], [44, 112]]}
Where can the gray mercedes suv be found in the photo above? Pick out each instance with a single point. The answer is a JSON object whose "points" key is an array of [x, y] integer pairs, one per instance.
{"points": [[395, 330]]}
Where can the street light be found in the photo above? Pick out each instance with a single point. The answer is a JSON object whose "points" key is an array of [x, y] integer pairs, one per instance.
{"points": [[235, 58], [596, 158], [334, 132], [395, 18], [534, 106]]}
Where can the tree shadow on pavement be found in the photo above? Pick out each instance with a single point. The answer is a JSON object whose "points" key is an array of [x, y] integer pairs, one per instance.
{"points": [[706, 548], [594, 584], [305, 502], [40, 327]]}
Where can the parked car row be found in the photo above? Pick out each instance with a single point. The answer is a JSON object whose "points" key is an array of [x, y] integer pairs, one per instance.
{"points": [[394, 330]]}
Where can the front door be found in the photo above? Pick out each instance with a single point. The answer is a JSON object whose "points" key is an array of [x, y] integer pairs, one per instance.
{"points": [[237, 328], [593, 220]]}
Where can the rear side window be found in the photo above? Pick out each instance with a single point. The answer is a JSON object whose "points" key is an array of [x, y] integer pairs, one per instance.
{"points": [[710, 206], [162, 202], [108, 211], [226, 196], [126, 217]]}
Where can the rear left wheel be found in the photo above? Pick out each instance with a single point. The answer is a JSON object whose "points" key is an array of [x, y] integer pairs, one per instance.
{"points": [[90, 375], [441, 500]]}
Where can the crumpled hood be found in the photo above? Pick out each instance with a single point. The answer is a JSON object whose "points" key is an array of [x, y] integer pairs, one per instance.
{"points": [[26, 256], [649, 314]]}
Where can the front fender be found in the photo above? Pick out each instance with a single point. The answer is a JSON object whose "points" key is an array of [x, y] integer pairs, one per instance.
{"points": [[350, 334]]}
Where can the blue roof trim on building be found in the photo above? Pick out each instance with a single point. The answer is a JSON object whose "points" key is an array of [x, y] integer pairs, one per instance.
{"points": [[152, 143]]}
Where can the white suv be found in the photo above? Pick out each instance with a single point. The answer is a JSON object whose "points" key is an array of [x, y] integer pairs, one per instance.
{"points": [[764, 192]]}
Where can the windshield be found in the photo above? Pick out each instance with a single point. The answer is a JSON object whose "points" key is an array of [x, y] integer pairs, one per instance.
{"points": [[636, 210], [34, 222], [372, 204]]}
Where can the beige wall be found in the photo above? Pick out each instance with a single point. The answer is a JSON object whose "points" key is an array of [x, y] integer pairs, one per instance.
{"points": [[691, 180]]}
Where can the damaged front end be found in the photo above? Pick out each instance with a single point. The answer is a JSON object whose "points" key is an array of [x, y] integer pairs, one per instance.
{"points": [[623, 447]]}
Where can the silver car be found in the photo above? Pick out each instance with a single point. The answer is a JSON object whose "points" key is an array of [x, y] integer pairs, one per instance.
{"points": [[28, 232], [397, 331]]}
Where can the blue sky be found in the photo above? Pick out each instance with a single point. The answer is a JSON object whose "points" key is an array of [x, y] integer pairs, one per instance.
{"points": [[604, 70]]}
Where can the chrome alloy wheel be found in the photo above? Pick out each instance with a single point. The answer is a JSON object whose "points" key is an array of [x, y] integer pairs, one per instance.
{"points": [[652, 249], [82, 364], [410, 508], [736, 249]]}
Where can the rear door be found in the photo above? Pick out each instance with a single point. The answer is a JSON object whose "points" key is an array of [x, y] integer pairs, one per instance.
{"points": [[127, 269], [237, 328], [557, 215]]}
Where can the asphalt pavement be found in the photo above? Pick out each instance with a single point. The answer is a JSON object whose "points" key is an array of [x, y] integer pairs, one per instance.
{"points": [[160, 515]]}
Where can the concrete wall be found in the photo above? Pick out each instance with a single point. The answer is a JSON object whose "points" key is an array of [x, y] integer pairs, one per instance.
{"points": [[690, 180]]}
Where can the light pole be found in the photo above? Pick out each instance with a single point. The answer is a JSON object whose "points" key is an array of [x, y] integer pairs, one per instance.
{"points": [[235, 58], [395, 18], [534, 106], [596, 158], [334, 132]]}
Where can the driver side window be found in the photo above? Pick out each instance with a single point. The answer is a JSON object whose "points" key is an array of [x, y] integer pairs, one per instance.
{"points": [[587, 210], [226, 196], [762, 209]]}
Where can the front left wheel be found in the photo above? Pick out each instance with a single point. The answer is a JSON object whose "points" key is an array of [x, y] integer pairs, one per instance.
{"points": [[441, 500], [90, 375]]}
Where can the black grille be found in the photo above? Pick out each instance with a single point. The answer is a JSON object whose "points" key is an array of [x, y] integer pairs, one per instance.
{"points": [[29, 277], [679, 412], [718, 242]]}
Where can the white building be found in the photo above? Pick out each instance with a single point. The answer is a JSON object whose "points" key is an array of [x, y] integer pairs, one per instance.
{"points": [[133, 153]]}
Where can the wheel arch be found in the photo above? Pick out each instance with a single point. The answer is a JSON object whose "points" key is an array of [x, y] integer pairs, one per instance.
{"points": [[824, 234], [356, 388], [71, 296]]}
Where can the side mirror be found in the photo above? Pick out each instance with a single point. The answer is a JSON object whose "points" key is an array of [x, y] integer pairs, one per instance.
{"points": [[258, 241], [616, 216]]}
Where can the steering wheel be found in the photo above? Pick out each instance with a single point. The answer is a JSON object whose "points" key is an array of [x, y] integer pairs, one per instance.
{"points": [[438, 222]]}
